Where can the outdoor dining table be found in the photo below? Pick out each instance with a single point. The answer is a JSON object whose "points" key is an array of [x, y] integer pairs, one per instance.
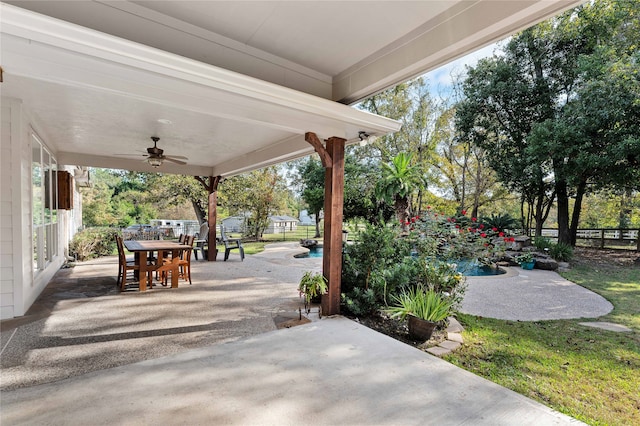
{"points": [[141, 249]]}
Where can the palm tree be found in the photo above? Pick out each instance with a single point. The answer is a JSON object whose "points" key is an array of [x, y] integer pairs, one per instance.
{"points": [[399, 180]]}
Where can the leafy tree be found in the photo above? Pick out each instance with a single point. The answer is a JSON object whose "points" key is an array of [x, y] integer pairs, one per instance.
{"points": [[400, 178], [255, 195], [412, 104], [462, 170], [312, 178], [360, 201], [559, 112], [176, 190]]}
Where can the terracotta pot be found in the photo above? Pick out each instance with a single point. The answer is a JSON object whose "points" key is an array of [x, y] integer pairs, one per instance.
{"points": [[421, 329]]}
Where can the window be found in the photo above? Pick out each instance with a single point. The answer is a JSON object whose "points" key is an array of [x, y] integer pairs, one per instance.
{"points": [[44, 194]]}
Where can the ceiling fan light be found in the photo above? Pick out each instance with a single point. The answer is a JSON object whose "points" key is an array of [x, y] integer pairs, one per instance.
{"points": [[155, 162]]}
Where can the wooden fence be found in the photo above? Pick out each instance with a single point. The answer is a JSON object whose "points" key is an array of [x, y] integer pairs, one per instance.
{"points": [[600, 237]]}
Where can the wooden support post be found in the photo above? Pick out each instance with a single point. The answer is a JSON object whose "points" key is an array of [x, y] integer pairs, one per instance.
{"points": [[211, 185], [212, 210], [332, 158], [333, 209]]}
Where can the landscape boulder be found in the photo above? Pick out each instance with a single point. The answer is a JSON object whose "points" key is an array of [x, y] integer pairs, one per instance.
{"points": [[546, 263]]}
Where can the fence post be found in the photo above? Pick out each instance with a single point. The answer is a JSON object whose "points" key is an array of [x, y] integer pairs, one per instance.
{"points": [[602, 238], [638, 240]]}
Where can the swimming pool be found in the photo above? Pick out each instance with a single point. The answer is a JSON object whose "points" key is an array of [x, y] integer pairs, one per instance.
{"points": [[470, 268], [313, 252]]}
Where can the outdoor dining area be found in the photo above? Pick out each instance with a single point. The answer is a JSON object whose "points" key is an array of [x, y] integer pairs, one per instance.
{"points": [[154, 261]]}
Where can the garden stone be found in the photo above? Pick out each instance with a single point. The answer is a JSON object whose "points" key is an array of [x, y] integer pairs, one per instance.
{"points": [[564, 266], [454, 326], [308, 243], [451, 345], [455, 337], [521, 241], [546, 264], [510, 258], [438, 351]]}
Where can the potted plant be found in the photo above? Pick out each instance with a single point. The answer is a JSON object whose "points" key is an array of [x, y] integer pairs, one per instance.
{"points": [[526, 260], [423, 308], [312, 286]]}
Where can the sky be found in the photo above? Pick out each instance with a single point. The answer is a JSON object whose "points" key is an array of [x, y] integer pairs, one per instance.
{"points": [[440, 80]]}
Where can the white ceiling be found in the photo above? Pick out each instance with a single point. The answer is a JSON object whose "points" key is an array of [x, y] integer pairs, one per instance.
{"points": [[240, 82]]}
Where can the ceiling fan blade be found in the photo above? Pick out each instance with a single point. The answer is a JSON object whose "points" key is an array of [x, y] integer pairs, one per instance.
{"points": [[177, 157], [173, 160], [131, 155]]}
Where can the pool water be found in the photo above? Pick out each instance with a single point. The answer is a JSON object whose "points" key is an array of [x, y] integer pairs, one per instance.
{"points": [[313, 252], [470, 268]]}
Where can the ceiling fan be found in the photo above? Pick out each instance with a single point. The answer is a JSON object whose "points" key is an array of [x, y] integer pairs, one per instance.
{"points": [[155, 156]]}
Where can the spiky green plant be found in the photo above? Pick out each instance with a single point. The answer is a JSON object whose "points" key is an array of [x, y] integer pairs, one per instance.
{"points": [[424, 304]]}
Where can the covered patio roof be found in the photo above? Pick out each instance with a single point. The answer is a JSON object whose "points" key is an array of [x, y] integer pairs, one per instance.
{"points": [[232, 86]]}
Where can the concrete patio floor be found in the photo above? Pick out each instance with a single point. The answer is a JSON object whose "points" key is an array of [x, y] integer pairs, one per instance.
{"points": [[211, 353]]}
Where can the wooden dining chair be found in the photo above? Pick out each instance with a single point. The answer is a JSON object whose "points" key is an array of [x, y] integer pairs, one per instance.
{"points": [[124, 266], [181, 240], [184, 261]]}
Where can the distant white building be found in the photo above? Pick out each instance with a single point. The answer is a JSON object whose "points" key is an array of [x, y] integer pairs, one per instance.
{"points": [[233, 223], [177, 226], [277, 224]]}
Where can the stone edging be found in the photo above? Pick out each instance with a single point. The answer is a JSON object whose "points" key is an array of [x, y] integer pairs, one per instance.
{"points": [[453, 342]]}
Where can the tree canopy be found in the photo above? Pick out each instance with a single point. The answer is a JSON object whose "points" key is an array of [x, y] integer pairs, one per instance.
{"points": [[558, 111]]}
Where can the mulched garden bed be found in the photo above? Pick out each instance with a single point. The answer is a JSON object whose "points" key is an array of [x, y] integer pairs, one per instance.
{"points": [[398, 330]]}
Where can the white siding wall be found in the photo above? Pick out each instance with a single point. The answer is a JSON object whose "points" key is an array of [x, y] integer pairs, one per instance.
{"points": [[6, 257], [11, 289], [18, 286]]}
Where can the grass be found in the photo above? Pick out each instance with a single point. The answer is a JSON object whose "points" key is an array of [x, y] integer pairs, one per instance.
{"points": [[253, 247], [587, 373], [619, 285]]}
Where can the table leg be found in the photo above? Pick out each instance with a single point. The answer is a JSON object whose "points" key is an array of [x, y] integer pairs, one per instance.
{"points": [[175, 271], [142, 279]]}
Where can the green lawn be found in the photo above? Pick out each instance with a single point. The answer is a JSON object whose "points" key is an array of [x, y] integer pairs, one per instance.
{"points": [[253, 247], [587, 373]]}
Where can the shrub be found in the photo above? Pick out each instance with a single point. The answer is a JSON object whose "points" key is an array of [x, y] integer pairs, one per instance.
{"points": [[442, 278], [448, 238], [502, 222], [542, 243], [360, 302], [561, 252], [383, 262], [91, 243], [368, 267]]}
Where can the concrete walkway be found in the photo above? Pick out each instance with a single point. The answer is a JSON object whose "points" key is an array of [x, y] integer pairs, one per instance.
{"points": [[330, 372], [534, 295], [211, 353]]}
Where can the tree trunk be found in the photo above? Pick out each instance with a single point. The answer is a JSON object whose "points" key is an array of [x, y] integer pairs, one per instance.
{"points": [[564, 232], [539, 212], [577, 209], [401, 207], [201, 215], [525, 221], [317, 225]]}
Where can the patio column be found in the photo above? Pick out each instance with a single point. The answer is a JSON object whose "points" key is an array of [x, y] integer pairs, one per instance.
{"points": [[212, 212], [332, 157]]}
